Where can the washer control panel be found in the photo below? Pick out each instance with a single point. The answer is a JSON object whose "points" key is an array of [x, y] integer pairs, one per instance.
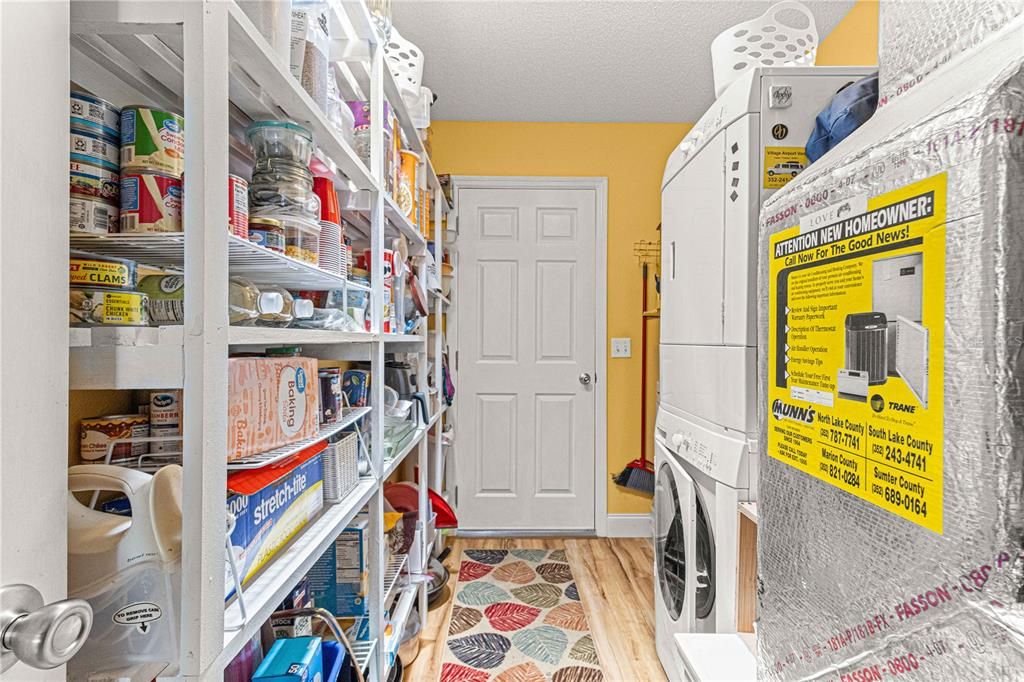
{"points": [[695, 451], [721, 454]]}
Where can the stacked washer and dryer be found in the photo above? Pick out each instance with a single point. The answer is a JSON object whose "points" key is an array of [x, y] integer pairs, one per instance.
{"points": [[748, 144]]}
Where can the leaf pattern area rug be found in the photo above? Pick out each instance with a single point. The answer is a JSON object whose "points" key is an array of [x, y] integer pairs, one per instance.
{"points": [[517, 617]]}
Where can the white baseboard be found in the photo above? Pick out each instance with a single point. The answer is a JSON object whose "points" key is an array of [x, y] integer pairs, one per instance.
{"points": [[628, 526]]}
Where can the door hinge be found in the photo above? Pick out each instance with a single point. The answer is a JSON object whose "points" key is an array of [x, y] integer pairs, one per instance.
{"points": [[456, 361], [456, 496]]}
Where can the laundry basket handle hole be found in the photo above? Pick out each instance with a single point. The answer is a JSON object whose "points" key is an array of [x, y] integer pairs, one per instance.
{"points": [[791, 15]]}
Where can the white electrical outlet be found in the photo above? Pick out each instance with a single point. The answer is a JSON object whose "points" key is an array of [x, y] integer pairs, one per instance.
{"points": [[621, 348]]}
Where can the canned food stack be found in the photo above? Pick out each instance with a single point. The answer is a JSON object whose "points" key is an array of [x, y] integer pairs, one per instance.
{"points": [[94, 164], [103, 292], [152, 164], [282, 188], [238, 207]]}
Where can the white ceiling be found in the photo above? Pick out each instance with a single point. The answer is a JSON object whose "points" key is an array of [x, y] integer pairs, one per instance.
{"points": [[576, 60]]}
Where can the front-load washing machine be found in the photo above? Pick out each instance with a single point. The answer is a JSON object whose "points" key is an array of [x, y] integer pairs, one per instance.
{"points": [[702, 473]]}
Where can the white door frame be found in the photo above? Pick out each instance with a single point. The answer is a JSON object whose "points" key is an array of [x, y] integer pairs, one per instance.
{"points": [[600, 187]]}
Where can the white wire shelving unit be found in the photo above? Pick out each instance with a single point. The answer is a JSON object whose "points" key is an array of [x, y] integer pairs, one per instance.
{"points": [[206, 59]]}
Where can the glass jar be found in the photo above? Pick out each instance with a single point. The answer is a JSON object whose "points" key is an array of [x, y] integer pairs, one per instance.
{"points": [[280, 186], [268, 233]]}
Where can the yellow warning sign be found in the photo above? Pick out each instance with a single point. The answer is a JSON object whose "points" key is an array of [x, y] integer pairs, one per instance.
{"points": [[855, 348], [782, 164]]}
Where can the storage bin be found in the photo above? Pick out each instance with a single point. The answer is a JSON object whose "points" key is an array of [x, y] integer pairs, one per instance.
{"points": [[341, 466]]}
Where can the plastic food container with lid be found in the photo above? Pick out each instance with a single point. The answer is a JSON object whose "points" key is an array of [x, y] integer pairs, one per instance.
{"points": [[301, 238], [284, 186], [280, 140]]}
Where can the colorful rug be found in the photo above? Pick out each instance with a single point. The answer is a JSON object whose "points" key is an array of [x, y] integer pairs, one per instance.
{"points": [[517, 617]]}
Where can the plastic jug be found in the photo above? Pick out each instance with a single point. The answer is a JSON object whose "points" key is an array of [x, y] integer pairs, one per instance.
{"points": [[127, 568]]}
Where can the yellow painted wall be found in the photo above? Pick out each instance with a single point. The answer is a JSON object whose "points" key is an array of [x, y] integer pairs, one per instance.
{"points": [[632, 156], [854, 41]]}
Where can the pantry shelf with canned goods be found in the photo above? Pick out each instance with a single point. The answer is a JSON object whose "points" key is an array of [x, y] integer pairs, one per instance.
{"points": [[259, 83], [245, 259], [249, 228]]}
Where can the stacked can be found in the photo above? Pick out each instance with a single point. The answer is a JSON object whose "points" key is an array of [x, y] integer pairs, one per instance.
{"points": [[152, 158], [94, 168]]}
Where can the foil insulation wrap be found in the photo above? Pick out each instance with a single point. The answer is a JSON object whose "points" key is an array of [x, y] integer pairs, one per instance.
{"points": [[851, 591], [915, 37]]}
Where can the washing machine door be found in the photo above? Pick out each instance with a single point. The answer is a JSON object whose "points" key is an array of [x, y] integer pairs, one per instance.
{"points": [[674, 541], [704, 557]]}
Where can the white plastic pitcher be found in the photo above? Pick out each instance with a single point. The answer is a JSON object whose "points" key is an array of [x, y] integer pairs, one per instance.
{"points": [[127, 568], [765, 41]]}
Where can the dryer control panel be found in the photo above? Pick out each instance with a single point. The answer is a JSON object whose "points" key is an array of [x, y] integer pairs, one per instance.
{"points": [[724, 455]]}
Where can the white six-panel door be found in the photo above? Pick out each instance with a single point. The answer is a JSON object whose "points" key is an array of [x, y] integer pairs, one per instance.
{"points": [[527, 346]]}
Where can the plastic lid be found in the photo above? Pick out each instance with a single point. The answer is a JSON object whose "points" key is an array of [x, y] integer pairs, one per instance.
{"points": [[286, 351], [256, 126], [271, 302], [302, 308]]}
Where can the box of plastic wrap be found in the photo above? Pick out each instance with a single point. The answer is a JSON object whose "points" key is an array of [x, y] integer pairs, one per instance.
{"points": [[915, 37], [891, 362]]}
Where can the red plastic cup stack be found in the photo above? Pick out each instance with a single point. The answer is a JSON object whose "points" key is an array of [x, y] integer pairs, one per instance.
{"points": [[330, 225]]}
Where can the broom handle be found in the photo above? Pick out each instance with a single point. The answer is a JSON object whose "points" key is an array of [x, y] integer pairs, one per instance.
{"points": [[643, 372]]}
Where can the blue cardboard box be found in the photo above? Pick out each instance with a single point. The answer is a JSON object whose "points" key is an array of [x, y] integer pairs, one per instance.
{"points": [[292, 660], [338, 580], [271, 505]]}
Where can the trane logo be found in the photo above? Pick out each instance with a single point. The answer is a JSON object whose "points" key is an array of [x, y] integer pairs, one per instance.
{"points": [[781, 410], [902, 407]]}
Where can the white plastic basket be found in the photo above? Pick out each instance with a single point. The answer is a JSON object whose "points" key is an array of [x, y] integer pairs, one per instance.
{"points": [[779, 37], [406, 63], [341, 467]]}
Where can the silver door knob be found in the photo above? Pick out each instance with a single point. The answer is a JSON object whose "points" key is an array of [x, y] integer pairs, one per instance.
{"points": [[585, 379], [40, 636]]}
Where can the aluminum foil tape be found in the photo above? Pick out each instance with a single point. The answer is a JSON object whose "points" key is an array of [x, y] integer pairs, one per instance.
{"points": [[917, 36], [848, 590]]}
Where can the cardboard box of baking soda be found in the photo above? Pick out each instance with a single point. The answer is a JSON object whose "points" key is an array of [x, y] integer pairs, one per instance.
{"points": [[271, 402], [271, 504]]}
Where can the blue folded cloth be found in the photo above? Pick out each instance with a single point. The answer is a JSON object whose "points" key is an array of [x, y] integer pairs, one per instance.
{"points": [[849, 108]]}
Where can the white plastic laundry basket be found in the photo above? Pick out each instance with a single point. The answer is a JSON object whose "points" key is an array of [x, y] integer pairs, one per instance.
{"points": [[784, 35], [406, 63]]}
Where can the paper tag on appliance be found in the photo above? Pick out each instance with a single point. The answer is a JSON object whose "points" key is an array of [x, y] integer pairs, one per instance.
{"points": [[782, 164]]}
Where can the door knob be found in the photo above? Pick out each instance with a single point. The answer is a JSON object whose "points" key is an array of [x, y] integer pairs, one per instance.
{"points": [[40, 636], [585, 378]]}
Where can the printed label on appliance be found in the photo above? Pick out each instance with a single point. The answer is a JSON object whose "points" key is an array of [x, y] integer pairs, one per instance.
{"points": [[856, 313], [782, 164], [140, 615]]}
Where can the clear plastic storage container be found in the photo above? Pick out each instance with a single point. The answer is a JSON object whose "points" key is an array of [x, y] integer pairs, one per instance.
{"points": [[280, 140], [301, 238], [282, 186]]}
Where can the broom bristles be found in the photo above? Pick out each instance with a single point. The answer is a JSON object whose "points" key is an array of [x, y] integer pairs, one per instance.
{"points": [[636, 478]]}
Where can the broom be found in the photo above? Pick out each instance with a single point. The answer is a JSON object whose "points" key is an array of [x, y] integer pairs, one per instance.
{"points": [[639, 474]]}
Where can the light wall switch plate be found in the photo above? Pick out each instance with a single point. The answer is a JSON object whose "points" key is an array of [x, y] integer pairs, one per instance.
{"points": [[621, 348]]}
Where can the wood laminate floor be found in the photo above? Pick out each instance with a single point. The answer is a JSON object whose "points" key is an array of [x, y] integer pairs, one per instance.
{"points": [[615, 580]]}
